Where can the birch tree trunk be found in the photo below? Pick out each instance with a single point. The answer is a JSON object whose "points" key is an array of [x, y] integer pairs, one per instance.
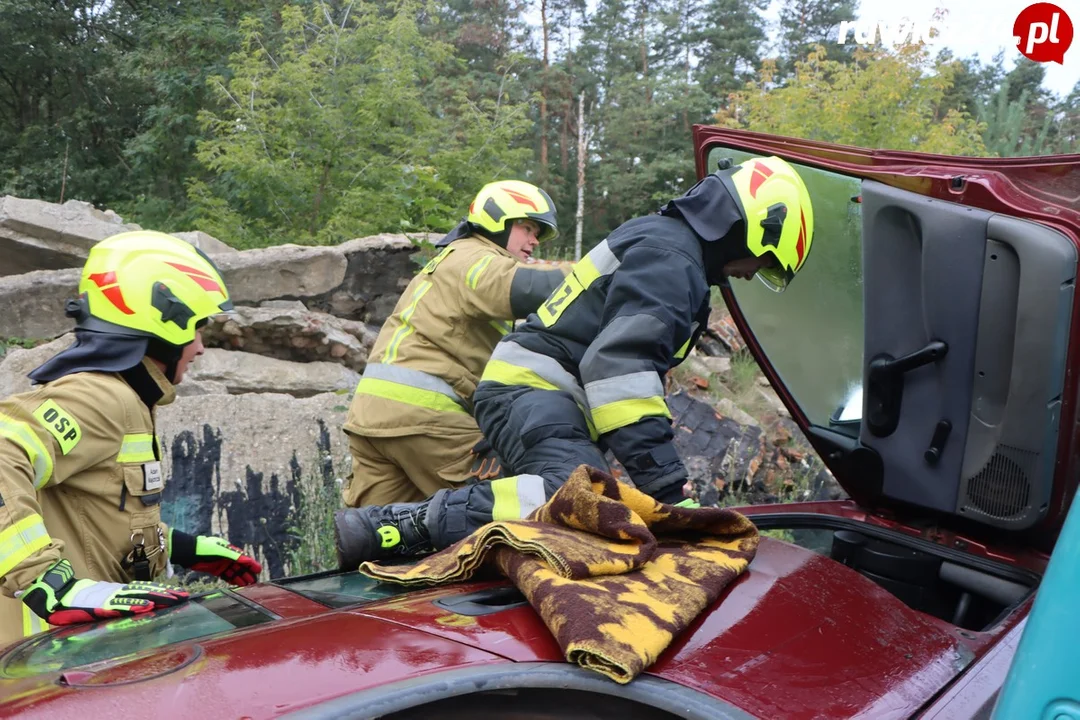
{"points": [[581, 152]]}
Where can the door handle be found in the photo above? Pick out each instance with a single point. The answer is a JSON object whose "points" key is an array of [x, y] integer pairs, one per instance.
{"points": [[885, 385]]}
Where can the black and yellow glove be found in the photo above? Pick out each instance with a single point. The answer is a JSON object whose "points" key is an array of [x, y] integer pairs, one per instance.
{"points": [[59, 598], [213, 555]]}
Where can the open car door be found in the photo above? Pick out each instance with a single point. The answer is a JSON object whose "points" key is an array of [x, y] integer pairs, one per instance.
{"points": [[925, 347]]}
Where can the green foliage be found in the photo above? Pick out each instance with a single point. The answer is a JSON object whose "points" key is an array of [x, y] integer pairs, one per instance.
{"points": [[879, 100], [331, 137], [313, 528], [1010, 130], [265, 122]]}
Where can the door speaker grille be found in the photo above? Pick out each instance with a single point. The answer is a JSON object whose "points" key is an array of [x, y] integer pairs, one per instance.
{"points": [[1002, 489]]}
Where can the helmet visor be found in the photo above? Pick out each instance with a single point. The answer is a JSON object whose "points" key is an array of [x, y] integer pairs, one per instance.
{"points": [[775, 278]]}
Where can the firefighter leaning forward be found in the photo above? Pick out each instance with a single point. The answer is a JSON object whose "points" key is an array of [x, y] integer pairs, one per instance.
{"points": [[80, 476], [584, 374], [410, 425]]}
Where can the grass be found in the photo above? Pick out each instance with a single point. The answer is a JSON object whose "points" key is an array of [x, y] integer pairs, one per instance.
{"points": [[314, 528], [11, 343]]}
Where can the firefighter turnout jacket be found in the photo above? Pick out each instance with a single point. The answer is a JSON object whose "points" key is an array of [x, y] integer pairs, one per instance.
{"points": [[80, 478], [628, 313], [430, 353]]}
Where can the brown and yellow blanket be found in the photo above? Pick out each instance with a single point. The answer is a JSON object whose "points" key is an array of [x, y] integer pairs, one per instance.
{"points": [[614, 574]]}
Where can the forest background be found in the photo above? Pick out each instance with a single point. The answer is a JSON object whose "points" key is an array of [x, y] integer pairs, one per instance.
{"points": [[315, 122]]}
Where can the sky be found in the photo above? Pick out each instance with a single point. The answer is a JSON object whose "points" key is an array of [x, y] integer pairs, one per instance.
{"points": [[977, 27]]}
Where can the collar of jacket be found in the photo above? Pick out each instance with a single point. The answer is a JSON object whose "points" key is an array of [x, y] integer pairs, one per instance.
{"points": [[487, 243], [150, 383]]}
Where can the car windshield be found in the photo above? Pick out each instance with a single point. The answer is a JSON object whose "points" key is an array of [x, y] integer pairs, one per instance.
{"points": [[65, 648], [341, 590]]}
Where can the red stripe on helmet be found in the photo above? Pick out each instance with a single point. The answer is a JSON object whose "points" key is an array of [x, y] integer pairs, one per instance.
{"points": [[103, 279], [117, 298], [800, 246], [523, 199], [200, 276], [760, 175]]}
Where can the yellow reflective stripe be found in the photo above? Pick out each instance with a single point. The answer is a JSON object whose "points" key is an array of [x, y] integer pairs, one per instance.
{"points": [[627, 412], [503, 372], [402, 332], [137, 448], [32, 624], [407, 394], [22, 540], [586, 271], [506, 505], [472, 278], [22, 435], [682, 351], [434, 262], [503, 326]]}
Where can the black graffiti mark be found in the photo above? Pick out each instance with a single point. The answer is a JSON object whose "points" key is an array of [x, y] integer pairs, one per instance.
{"points": [[326, 466], [261, 520], [195, 474]]}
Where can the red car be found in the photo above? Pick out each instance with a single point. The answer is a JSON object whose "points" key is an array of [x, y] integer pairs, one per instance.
{"points": [[926, 350]]}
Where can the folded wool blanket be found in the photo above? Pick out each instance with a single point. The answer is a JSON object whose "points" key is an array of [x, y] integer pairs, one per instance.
{"points": [[614, 574]]}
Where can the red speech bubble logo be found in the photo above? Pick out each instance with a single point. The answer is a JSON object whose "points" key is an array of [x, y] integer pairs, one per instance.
{"points": [[1043, 32]]}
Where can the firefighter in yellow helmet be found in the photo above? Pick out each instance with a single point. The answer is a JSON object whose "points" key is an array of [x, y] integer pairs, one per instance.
{"points": [[584, 374], [410, 425], [80, 476]]}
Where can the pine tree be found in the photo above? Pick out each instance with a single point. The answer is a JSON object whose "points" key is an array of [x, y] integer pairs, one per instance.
{"points": [[807, 23]]}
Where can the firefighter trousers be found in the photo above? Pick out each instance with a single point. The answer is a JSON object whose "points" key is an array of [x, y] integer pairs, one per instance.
{"points": [[407, 468], [540, 435]]}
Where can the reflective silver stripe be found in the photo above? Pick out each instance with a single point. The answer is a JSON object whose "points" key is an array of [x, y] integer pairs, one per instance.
{"points": [[413, 378], [547, 368], [603, 259], [530, 491], [645, 384]]}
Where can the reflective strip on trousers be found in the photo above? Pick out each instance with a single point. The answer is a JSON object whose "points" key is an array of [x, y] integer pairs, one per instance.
{"points": [[472, 278], [624, 399], [21, 434], [22, 540], [414, 387], [517, 496], [32, 624], [511, 364], [138, 448], [406, 329]]}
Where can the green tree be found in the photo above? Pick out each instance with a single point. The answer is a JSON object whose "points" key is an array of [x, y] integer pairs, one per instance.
{"points": [[333, 136], [880, 100], [65, 110], [806, 24]]}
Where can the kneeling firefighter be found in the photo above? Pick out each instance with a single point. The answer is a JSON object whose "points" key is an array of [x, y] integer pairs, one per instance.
{"points": [[584, 374], [80, 474], [410, 427]]}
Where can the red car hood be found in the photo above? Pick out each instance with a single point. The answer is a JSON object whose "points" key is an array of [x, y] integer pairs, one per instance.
{"points": [[797, 636]]}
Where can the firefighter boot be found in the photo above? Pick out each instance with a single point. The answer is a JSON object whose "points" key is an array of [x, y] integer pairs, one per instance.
{"points": [[381, 532]]}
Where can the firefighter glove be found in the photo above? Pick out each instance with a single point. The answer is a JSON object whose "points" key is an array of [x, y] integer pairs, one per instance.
{"points": [[59, 598], [215, 556]]}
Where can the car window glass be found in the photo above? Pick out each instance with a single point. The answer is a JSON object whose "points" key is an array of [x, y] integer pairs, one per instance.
{"points": [[79, 645], [812, 333]]}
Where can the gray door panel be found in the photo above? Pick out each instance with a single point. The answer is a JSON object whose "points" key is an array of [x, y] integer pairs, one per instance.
{"points": [[998, 292], [922, 274]]}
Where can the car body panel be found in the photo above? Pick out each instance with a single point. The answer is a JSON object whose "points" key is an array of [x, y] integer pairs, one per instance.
{"points": [[257, 672], [797, 632]]}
